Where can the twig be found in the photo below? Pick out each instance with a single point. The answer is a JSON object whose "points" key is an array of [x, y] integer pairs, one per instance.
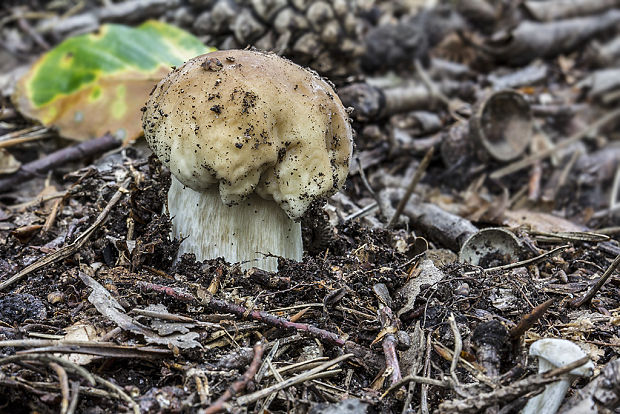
{"points": [[168, 291], [224, 307], [551, 192], [255, 396], [503, 395], [265, 366], [37, 200], [419, 380], [391, 357], [427, 372], [436, 92], [458, 347], [107, 349], [367, 184], [26, 27], [601, 395], [523, 262], [20, 140], [433, 89], [58, 158], [390, 326], [519, 165], [362, 212], [221, 306], [69, 366], [300, 366], [468, 366], [614, 203], [26, 132], [278, 378], [488, 339], [240, 384], [575, 303], [203, 394], [533, 192], [63, 380], [530, 319], [69, 249], [75, 394], [95, 392], [126, 11], [119, 391], [414, 182]]}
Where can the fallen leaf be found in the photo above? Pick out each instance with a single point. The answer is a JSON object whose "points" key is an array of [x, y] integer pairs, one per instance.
{"points": [[96, 83], [428, 275], [105, 303], [76, 333]]}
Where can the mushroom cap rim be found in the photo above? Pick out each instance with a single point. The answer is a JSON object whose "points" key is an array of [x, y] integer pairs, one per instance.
{"points": [[555, 351]]}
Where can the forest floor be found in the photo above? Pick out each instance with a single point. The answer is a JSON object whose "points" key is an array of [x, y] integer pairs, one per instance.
{"points": [[424, 282]]}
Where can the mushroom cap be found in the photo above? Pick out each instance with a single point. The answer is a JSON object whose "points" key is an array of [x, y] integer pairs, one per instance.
{"points": [[561, 352], [250, 122]]}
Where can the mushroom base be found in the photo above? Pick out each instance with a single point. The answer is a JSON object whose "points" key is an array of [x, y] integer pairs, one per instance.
{"points": [[244, 233]]}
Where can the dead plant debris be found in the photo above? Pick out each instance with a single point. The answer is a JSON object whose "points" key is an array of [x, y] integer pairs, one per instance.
{"points": [[481, 214]]}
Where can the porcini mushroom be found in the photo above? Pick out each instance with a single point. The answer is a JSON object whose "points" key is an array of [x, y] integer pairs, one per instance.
{"points": [[251, 139], [555, 353]]}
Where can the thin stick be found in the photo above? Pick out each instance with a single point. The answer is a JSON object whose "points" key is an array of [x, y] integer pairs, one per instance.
{"points": [[613, 199], [363, 212], [21, 140], [240, 384], [63, 380], [575, 303], [530, 319], [524, 262], [427, 372], [391, 357], [480, 401], [299, 366], [69, 249], [37, 200], [255, 396], [414, 182], [519, 165], [265, 366], [35, 130], [419, 380], [366, 183], [119, 391], [222, 306], [75, 394], [200, 389], [57, 158], [69, 366], [458, 347]]}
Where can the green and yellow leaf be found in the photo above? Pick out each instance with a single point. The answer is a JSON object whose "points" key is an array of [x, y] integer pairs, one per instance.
{"points": [[96, 83]]}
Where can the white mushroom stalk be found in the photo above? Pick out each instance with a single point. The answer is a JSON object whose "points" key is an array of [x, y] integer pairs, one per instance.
{"points": [[555, 353], [250, 233], [251, 139]]}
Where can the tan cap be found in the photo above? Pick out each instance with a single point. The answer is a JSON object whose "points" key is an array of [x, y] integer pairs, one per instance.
{"points": [[250, 122]]}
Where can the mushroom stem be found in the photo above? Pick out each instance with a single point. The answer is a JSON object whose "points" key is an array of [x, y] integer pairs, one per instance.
{"points": [[553, 353], [548, 401], [242, 233]]}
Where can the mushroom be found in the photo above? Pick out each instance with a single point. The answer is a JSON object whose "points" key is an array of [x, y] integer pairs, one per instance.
{"points": [[251, 140], [555, 353]]}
